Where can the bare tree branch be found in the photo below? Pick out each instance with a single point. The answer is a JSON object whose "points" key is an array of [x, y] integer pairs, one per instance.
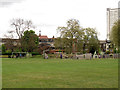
{"points": [[21, 25]]}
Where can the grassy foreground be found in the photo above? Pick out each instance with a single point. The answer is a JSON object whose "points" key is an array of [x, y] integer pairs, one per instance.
{"points": [[57, 73]]}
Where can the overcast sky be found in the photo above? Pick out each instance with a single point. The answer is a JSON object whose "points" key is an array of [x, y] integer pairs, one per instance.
{"points": [[47, 15]]}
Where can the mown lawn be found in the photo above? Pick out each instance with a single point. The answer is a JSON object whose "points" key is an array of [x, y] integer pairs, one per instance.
{"points": [[57, 73]]}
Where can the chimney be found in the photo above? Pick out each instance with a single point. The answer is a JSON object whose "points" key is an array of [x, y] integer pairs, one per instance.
{"points": [[53, 37], [40, 33]]}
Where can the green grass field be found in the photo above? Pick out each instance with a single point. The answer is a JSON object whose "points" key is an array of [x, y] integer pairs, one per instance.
{"points": [[57, 73]]}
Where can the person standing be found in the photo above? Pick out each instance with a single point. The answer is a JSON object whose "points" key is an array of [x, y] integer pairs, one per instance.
{"points": [[46, 56], [61, 55], [20, 55]]}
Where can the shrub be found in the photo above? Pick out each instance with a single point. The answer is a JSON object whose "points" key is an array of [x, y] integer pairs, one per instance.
{"points": [[8, 52], [37, 56], [115, 51], [107, 52], [35, 53]]}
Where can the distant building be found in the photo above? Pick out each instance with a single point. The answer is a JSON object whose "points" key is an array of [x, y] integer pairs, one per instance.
{"points": [[46, 43], [15, 42], [43, 39], [112, 17]]}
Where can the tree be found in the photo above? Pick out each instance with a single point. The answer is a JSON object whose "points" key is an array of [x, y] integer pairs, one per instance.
{"points": [[74, 38], [29, 41], [63, 43], [70, 34], [3, 48], [43, 47], [91, 42], [115, 34], [59, 43], [9, 40], [20, 25], [94, 45]]}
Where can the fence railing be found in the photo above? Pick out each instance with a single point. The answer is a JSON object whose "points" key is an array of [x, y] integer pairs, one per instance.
{"points": [[89, 56]]}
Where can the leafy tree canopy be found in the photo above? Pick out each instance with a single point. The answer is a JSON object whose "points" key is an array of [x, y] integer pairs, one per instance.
{"points": [[115, 33], [73, 35], [29, 41]]}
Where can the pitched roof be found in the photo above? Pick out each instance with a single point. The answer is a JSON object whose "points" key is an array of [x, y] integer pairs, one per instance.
{"points": [[43, 37]]}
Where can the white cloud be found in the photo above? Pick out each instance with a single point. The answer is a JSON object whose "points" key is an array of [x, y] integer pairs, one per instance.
{"points": [[4, 3], [49, 14]]}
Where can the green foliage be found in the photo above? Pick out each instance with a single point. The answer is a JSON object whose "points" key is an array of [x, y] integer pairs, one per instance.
{"points": [[118, 51], [115, 33], [34, 53], [8, 51], [93, 45], [107, 52], [72, 29], [70, 35], [3, 48], [29, 41], [115, 51], [91, 40], [18, 50], [74, 38], [58, 42]]}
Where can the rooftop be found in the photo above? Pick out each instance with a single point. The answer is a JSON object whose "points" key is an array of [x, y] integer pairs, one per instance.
{"points": [[43, 37]]}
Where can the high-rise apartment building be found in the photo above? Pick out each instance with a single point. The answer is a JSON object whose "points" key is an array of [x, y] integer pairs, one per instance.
{"points": [[112, 17]]}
